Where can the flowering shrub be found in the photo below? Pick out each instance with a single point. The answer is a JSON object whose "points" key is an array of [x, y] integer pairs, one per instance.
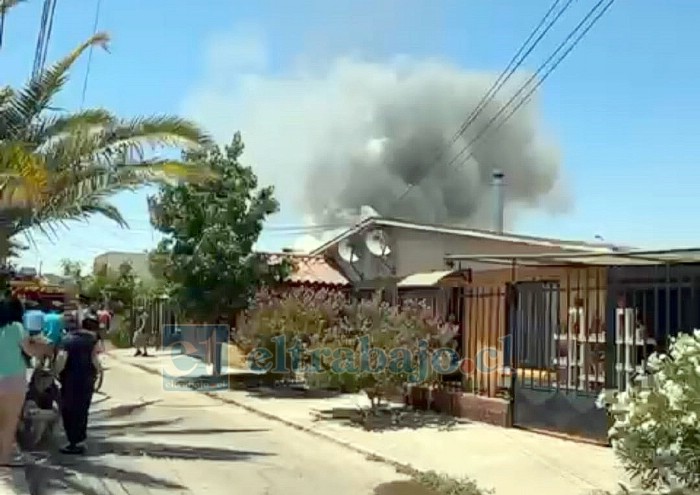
{"points": [[656, 433], [347, 344], [288, 317]]}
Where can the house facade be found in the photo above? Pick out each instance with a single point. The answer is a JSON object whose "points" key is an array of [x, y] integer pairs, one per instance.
{"points": [[112, 260], [379, 252]]}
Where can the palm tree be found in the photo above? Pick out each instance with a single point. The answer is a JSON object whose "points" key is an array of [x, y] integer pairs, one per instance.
{"points": [[57, 166]]}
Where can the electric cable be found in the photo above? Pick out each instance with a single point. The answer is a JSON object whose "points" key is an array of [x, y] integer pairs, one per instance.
{"points": [[523, 52], [43, 38], [525, 99], [510, 69], [514, 64], [88, 66], [2, 23], [49, 31]]}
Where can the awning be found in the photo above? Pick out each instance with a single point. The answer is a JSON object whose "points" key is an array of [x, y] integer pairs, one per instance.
{"points": [[620, 258], [425, 279]]}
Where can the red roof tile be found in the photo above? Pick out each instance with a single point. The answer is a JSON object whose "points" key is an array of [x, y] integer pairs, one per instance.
{"points": [[309, 269]]}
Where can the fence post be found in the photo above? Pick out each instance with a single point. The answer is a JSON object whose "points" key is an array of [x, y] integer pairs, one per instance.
{"points": [[215, 349]]}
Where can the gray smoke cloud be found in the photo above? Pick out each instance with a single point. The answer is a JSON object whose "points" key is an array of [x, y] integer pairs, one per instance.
{"points": [[411, 112], [335, 133]]}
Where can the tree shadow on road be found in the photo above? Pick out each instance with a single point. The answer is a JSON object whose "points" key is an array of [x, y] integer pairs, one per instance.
{"points": [[287, 392], [94, 474], [389, 419]]}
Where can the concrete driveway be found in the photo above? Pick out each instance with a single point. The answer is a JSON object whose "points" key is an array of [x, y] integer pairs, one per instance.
{"points": [[144, 439]]}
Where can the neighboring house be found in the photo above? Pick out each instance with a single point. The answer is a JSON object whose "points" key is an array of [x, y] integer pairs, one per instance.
{"points": [[112, 260], [381, 251], [309, 271]]}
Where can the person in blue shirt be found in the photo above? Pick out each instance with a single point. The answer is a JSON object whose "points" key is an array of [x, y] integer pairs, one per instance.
{"points": [[54, 327], [33, 319]]}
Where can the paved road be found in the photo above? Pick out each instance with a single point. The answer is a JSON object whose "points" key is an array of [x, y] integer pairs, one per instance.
{"points": [[148, 440]]}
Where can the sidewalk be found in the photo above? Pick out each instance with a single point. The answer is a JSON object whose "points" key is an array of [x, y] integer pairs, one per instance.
{"points": [[510, 461]]}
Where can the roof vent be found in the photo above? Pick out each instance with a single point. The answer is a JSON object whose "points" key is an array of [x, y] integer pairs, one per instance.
{"points": [[499, 201]]}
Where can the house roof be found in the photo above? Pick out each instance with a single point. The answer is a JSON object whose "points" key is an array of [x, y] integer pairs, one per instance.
{"points": [[309, 269], [619, 258], [375, 222]]}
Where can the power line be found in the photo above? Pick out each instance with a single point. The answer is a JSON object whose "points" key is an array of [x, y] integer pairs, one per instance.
{"points": [[2, 22], [516, 61], [49, 31], [308, 229], [43, 38], [96, 24], [525, 99], [523, 52]]}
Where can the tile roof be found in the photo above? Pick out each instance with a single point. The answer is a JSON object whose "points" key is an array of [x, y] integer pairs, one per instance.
{"points": [[309, 269]]}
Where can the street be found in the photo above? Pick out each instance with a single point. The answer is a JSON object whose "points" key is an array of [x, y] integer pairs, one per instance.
{"points": [[144, 439]]}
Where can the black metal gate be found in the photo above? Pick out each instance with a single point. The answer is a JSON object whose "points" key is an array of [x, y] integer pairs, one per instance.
{"points": [[647, 305], [554, 363]]}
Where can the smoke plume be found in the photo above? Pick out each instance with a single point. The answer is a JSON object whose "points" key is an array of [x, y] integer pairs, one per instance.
{"points": [[405, 116], [336, 136]]}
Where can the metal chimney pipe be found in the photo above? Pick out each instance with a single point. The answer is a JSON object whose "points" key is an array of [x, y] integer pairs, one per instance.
{"points": [[499, 201]]}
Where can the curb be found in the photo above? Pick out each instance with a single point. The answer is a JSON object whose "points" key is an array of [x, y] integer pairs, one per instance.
{"points": [[400, 467]]}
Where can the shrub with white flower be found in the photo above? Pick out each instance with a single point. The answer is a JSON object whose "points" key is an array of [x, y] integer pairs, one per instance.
{"points": [[656, 432]]}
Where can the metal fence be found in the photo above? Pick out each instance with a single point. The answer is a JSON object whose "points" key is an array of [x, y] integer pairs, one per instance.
{"points": [[484, 339], [646, 307]]}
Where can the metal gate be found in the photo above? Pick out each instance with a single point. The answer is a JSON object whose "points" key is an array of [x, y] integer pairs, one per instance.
{"points": [[553, 360]]}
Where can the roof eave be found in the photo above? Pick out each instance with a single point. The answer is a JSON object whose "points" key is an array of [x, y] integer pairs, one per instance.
{"points": [[513, 238]]}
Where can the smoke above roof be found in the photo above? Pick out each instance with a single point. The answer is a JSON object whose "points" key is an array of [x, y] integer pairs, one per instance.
{"points": [[406, 116], [341, 133]]}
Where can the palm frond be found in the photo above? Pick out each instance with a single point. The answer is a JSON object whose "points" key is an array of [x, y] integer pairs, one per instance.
{"points": [[115, 143], [55, 126], [29, 103], [23, 176], [7, 5], [60, 167]]}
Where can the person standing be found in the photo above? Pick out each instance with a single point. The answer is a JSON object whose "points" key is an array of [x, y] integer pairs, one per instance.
{"points": [[80, 368], [33, 319], [14, 343], [54, 327], [105, 317], [140, 336]]}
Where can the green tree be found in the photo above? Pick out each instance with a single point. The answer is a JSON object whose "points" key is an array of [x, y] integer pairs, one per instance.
{"points": [[72, 268], [120, 287], [210, 229], [57, 166]]}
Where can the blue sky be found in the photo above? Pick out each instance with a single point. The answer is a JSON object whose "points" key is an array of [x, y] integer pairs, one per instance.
{"points": [[622, 107]]}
